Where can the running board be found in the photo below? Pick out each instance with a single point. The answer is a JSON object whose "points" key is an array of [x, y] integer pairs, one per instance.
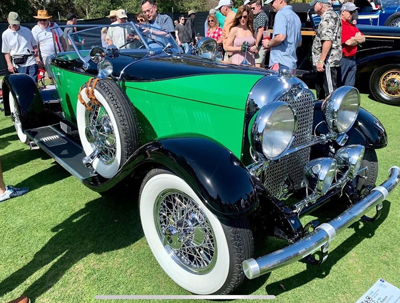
{"points": [[67, 152]]}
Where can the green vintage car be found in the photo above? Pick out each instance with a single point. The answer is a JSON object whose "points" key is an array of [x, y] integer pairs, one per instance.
{"points": [[218, 151]]}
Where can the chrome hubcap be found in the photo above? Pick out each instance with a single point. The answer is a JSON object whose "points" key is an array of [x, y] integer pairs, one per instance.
{"points": [[185, 232], [100, 132], [390, 83]]}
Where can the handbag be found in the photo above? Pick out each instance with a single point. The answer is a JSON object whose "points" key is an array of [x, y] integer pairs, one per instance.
{"points": [[20, 59]]}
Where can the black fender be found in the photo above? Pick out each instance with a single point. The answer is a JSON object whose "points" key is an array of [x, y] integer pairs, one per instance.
{"points": [[367, 65], [27, 96], [215, 174], [367, 130]]}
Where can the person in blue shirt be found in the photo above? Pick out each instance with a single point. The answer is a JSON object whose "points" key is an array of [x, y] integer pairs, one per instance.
{"points": [[286, 39], [164, 22]]}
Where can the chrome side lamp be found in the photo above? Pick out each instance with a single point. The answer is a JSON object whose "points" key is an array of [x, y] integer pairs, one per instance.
{"points": [[319, 174], [352, 156]]}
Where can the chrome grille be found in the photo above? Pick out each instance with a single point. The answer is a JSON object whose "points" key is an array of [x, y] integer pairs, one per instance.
{"points": [[289, 169]]}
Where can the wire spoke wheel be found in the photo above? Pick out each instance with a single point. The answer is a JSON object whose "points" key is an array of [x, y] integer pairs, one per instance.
{"points": [[185, 232], [390, 83]]}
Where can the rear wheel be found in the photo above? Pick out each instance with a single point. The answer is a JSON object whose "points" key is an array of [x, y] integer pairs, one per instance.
{"points": [[385, 84], [15, 116], [196, 250]]}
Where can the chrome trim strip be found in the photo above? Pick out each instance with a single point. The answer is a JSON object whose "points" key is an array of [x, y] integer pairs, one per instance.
{"points": [[322, 234]]}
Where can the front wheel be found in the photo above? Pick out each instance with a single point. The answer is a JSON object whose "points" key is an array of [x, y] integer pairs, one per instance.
{"points": [[393, 20], [15, 116], [385, 84], [196, 250]]}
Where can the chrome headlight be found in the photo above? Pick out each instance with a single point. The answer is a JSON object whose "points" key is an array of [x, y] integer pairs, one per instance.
{"points": [[351, 156], [319, 174], [272, 129], [341, 109]]}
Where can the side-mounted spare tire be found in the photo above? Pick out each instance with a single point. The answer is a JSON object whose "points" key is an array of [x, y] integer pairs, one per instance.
{"points": [[107, 125]]}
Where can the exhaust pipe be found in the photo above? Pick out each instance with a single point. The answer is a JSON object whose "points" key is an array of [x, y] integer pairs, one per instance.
{"points": [[323, 234]]}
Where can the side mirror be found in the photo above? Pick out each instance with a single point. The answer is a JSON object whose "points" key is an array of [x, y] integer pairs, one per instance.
{"points": [[97, 54]]}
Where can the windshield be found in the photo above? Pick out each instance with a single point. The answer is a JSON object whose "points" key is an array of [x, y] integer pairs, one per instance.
{"points": [[126, 36]]}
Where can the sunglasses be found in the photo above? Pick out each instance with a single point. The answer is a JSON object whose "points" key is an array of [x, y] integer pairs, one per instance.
{"points": [[140, 20], [253, 8], [211, 21], [243, 17], [42, 19]]}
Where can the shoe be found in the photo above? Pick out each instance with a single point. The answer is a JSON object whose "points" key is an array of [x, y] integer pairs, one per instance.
{"points": [[12, 192], [23, 299]]}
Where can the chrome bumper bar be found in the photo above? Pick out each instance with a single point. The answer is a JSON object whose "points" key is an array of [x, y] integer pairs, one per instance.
{"points": [[322, 234]]}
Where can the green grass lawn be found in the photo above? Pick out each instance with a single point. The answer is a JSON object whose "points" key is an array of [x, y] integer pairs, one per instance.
{"points": [[62, 242]]}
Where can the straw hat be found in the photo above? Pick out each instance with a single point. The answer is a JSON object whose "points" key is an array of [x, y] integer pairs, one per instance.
{"points": [[113, 13], [42, 14], [192, 11]]}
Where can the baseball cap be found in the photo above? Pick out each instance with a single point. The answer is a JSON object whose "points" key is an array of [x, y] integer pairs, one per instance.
{"points": [[322, 1], [349, 7], [246, 2], [13, 18], [70, 16], [121, 14], [113, 13], [222, 3], [212, 11]]}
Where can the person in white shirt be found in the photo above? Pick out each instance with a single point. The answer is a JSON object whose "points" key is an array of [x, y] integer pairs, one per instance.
{"points": [[49, 38], [119, 35], [20, 48]]}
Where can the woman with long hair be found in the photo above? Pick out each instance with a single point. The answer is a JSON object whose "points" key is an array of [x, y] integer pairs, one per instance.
{"points": [[213, 29], [242, 31]]}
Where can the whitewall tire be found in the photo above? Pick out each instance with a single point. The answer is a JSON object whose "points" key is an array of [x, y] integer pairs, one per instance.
{"points": [[193, 247], [15, 116], [108, 128]]}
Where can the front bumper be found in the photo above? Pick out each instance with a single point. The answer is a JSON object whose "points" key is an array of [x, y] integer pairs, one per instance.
{"points": [[323, 233]]}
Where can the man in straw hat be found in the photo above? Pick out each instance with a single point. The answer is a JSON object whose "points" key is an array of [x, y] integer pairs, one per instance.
{"points": [[112, 16], [49, 38], [20, 48], [119, 35], [189, 25]]}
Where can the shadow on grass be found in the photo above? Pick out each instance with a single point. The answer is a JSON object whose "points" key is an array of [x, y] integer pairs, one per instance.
{"points": [[103, 225], [7, 130], [362, 231], [20, 157]]}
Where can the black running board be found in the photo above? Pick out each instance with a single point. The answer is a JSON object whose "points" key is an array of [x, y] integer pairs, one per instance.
{"points": [[67, 152]]}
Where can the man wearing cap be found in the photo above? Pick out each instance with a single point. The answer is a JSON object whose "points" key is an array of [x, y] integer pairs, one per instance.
{"points": [[351, 38], [225, 8], [326, 48], [119, 35], [49, 38], [71, 20], [20, 48], [161, 21], [260, 23], [287, 36], [189, 25]]}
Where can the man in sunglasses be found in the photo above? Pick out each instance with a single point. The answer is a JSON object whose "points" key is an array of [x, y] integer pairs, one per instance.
{"points": [[351, 38], [20, 48], [260, 24], [326, 48]]}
